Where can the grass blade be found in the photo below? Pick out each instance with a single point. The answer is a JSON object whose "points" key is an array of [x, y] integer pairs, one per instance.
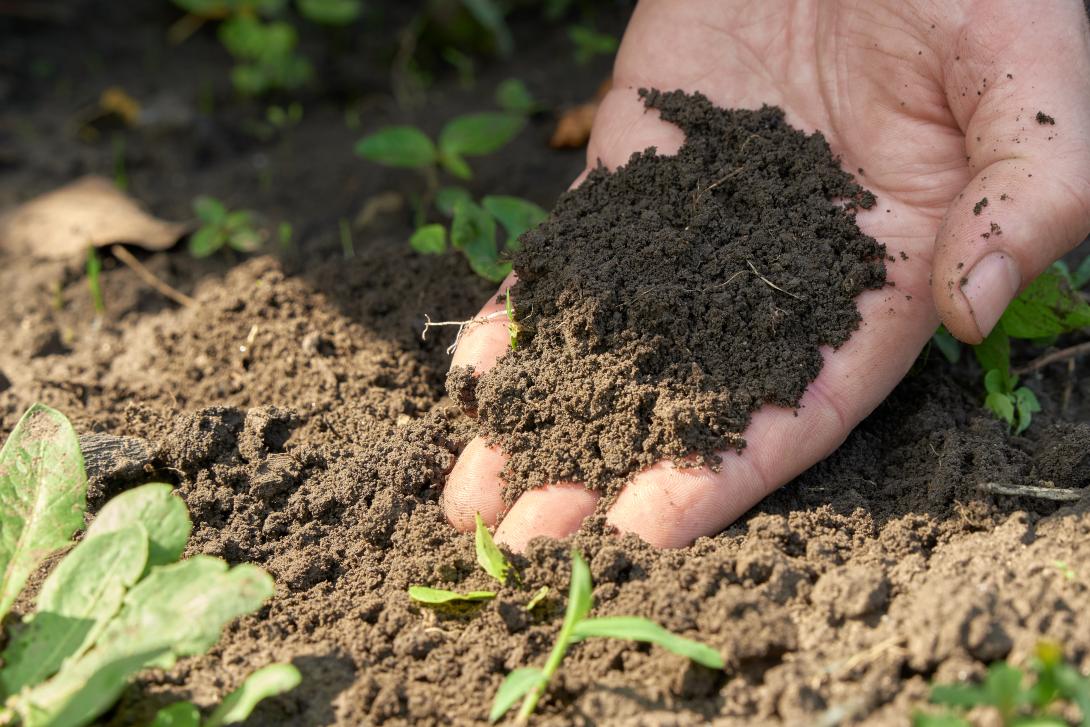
{"points": [[489, 556], [515, 686], [635, 628], [179, 714], [43, 493]]}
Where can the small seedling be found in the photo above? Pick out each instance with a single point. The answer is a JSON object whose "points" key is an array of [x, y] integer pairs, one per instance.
{"points": [[589, 43], [237, 706], [512, 327], [529, 684], [94, 281], [1014, 404], [1016, 703], [221, 229], [492, 562], [512, 95], [119, 601], [473, 231]]}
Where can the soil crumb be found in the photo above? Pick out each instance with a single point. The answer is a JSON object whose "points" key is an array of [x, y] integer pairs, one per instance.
{"points": [[662, 303], [979, 206], [1043, 118]]}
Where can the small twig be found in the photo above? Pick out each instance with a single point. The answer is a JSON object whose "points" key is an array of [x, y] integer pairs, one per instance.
{"points": [[149, 277], [769, 283], [429, 323], [1063, 354], [1057, 494]]}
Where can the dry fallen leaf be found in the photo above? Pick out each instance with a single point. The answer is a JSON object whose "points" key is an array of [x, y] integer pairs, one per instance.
{"points": [[574, 125], [89, 211]]}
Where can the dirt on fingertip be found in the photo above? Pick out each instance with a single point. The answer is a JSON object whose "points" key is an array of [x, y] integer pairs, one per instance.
{"points": [[664, 302]]}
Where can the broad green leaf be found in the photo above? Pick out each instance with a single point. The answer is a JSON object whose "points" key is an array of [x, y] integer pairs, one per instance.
{"points": [[179, 714], [512, 95], [1001, 405], [1004, 687], [43, 493], [1047, 307], [247, 240], [456, 165], [209, 210], [206, 241], [634, 628], [83, 691], [266, 682], [447, 197], [995, 382], [243, 36], [278, 40], [580, 594], [238, 220], [947, 344], [1026, 403], [517, 215], [330, 12], [480, 133], [155, 506], [959, 695], [489, 15], [920, 719], [538, 598], [473, 231], [1075, 687], [994, 352], [515, 686], [424, 594], [398, 146], [250, 79], [489, 556], [429, 239], [75, 603]]}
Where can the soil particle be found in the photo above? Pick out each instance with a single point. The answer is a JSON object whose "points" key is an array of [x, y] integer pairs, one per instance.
{"points": [[979, 206], [462, 387], [661, 304], [1043, 118]]}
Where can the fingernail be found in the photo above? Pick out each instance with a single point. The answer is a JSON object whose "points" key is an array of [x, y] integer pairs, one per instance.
{"points": [[989, 287]]}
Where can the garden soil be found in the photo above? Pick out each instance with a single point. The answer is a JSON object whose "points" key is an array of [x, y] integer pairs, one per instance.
{"points": [[304, 422]]}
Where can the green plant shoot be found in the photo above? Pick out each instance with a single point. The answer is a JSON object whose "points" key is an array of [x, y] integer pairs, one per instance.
{"points": [[489, 557], [221, 228], [512, 327], [529, 684], [237, 706], [94, 281]]}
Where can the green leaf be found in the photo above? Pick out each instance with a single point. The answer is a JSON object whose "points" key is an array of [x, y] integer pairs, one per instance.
{"points": [[398, 146], [949, 346], [447, 197], [43, 493], [489, 15], [330, 12], [512, 95], [634, 628], [473, 231], [1048, 307], [209, 210], [75, 603], [515, 686], [480, 133], [537, 599], [920, 719], [424, 594], [1002, 405], [179, 714], [1074, 687], [1004, 687], [517, 215], [959, 695], [1026, 403], [155, 506], [995, 382], [994, 352], [250, 79], [266, 682], [206, 241], [247, 240], [580, 593], [456, 165], [1081, 276], [489, 556], [429, 239]]}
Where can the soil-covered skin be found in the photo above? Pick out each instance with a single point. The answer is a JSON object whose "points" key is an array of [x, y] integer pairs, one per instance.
{"points": [[661, 304], [320, 452]]}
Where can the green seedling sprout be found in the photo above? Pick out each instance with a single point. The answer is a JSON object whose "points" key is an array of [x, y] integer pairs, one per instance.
{"points": [[237, 706], [222, 229], [529, 684], [348, 247], [94, 281], [119, 601], [491, 560], [1017, 704], [1050, 307], [512, 95]]}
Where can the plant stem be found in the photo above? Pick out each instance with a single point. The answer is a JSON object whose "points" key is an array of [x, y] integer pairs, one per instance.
{"points": [[1057, 494], [346, 239], [556, 656]]}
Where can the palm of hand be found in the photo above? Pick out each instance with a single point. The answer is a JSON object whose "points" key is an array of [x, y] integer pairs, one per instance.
{"points": [[934, 128]]}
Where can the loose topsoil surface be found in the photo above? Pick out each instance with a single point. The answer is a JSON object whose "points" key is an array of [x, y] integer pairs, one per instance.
{"points": [[304, 422], [661, 304]]}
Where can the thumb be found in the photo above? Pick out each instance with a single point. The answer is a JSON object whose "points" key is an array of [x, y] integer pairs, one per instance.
{"points": [[1028, 143]]}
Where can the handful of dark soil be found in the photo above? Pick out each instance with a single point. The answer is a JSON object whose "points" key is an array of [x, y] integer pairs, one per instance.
{"points": [[663, 303]]}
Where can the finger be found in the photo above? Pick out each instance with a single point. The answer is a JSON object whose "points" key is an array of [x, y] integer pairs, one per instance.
{"points": [[474, 486], [670, 507], [486, 337], [554, 511], [1029, 199]]}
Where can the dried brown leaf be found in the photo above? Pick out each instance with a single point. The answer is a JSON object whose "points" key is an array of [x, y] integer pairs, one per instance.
{"points": [[89, 211]]}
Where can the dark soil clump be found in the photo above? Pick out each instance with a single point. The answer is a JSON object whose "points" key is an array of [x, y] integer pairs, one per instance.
{"points": [[663, 303]]}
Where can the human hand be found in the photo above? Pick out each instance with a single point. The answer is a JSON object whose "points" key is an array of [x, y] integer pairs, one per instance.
{"points": [[937, 103]]}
